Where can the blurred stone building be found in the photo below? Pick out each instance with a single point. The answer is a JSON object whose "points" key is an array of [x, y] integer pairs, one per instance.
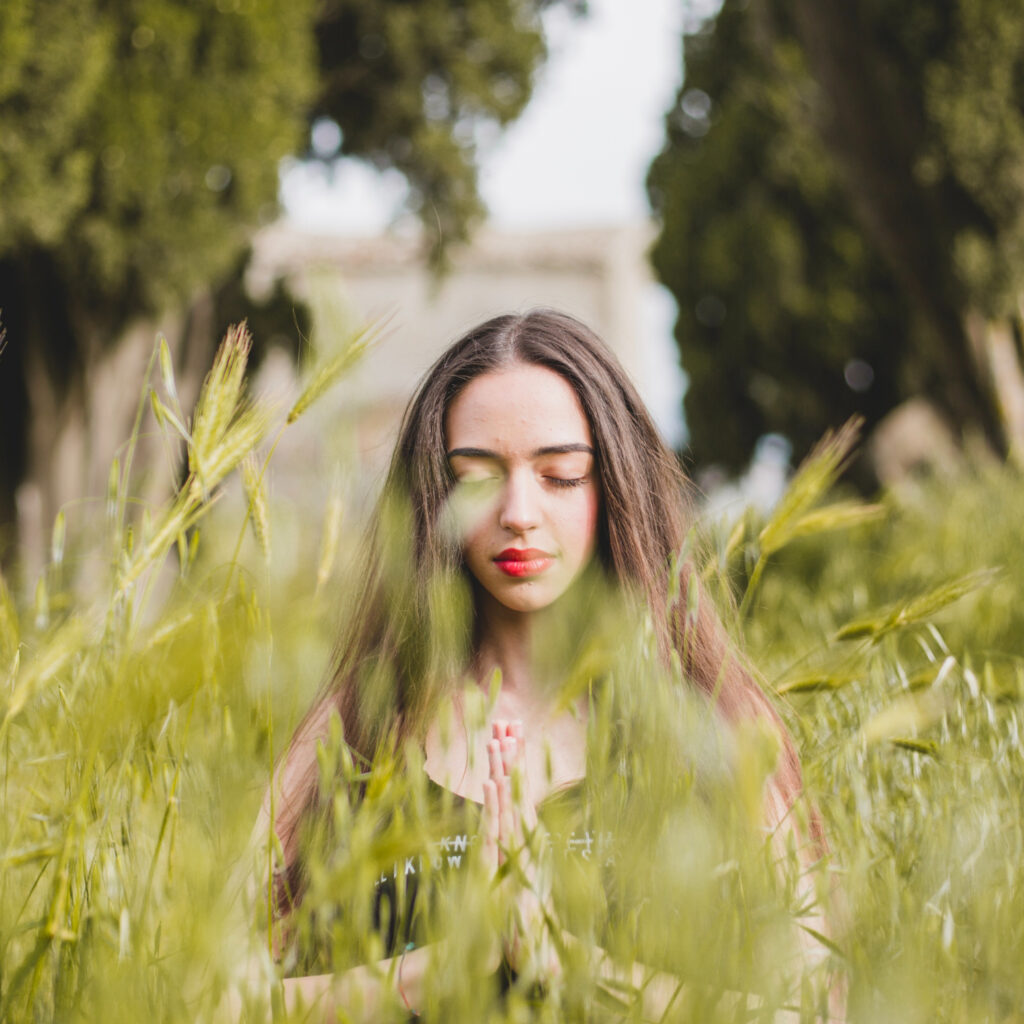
{"points": [[600, 275]]}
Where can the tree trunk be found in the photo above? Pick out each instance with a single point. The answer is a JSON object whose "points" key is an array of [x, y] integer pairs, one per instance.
{"points": [[999, 341], [873, 127], [69, 399]]}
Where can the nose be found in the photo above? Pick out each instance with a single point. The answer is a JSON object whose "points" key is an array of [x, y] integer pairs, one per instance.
{"points": [[519, 510]]}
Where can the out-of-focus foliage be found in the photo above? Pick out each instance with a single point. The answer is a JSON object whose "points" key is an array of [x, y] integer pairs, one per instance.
{"points": [[140, 144], [412, 85], [776, 286], [141, 140], [896, 647], [138, 733], [840, 195], [941, 530]]}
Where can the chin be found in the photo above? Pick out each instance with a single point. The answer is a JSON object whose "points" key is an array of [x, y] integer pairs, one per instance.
{"points": [[524, 607], [522, 599], [525, 603]]}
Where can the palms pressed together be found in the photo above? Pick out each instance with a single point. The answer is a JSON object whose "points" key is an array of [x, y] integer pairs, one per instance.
{"points": [[514, 851]]}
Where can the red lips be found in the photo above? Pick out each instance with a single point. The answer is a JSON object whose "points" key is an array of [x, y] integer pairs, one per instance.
{"points": [[522, 562]]}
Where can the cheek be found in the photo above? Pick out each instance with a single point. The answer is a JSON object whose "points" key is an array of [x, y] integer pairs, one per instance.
{"points": [[473, 542], [467, 513], [590, 513], [477, 537]]}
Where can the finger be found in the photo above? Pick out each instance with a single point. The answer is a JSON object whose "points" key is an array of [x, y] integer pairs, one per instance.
{"points": [[499, 727], [490, 824], [515, 730], [512, 761], [503, 787], [529, 811], [509, 754], [515, 733], [495, 765], [506, 814], [514, 778]]}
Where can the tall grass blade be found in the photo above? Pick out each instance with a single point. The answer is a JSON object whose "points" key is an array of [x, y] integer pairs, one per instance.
{"points": [[220, 404], [330, 536], [793, 516], [918, 610], [254, 484], [817, 473], [330, 372], [844, 515]]}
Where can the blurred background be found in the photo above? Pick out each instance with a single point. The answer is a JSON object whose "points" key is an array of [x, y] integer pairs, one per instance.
{"points": [[780, 215]]}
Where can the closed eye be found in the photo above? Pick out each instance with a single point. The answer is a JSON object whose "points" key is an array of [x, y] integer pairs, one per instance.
{"points": [[469, 481], [558, 481]]}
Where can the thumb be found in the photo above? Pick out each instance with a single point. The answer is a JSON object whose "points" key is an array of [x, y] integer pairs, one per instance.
{"points": [[490, 826]]}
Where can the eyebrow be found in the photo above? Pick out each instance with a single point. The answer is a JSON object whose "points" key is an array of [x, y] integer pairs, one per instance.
{"points": [[551, 449]]}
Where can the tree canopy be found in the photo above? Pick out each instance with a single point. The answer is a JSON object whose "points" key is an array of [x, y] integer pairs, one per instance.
{"points": [[411, 85], [141, 141], [840, 194], [139, 148]]}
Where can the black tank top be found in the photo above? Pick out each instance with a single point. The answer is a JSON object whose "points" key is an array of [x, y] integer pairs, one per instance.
{"points": [[399, 903]]}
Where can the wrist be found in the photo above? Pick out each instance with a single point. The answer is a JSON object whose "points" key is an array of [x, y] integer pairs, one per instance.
{"points": [[403, 995]]}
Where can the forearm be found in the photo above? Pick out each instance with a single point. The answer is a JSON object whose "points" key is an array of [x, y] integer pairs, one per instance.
{"points": [[621, 987], [387, 990], [623, 990]]}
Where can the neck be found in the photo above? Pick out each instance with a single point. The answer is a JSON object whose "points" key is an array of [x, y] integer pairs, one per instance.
{"points": [[536, 652], [510, 642], [505, 642]]}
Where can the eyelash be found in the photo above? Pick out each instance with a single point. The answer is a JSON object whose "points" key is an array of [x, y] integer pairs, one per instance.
{"points": [[554, 481]]}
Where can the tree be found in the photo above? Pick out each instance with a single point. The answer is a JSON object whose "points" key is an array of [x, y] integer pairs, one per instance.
{"points": [[411, 85], [840, 203], [139, 148]]}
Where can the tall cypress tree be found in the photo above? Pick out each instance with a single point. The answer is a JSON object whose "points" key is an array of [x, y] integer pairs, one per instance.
{"points": [[840, 202]]}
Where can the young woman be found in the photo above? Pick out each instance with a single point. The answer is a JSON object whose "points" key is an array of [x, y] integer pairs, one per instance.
{"points": [[531, 517]]}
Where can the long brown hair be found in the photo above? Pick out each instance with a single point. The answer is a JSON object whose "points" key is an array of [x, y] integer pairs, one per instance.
{"points": [[404, 647]]}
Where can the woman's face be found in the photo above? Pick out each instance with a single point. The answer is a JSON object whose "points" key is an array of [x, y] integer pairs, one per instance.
{"points": [[527, 497]]}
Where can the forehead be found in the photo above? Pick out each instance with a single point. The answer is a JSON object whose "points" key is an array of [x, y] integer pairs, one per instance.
{"points": [[516, 410]]}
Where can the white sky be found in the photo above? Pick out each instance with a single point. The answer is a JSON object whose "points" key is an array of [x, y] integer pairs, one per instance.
{"points": [[580, 151], [577, 156]]}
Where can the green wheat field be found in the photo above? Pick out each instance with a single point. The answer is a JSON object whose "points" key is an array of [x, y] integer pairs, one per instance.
{"points": [[144, 703]]}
